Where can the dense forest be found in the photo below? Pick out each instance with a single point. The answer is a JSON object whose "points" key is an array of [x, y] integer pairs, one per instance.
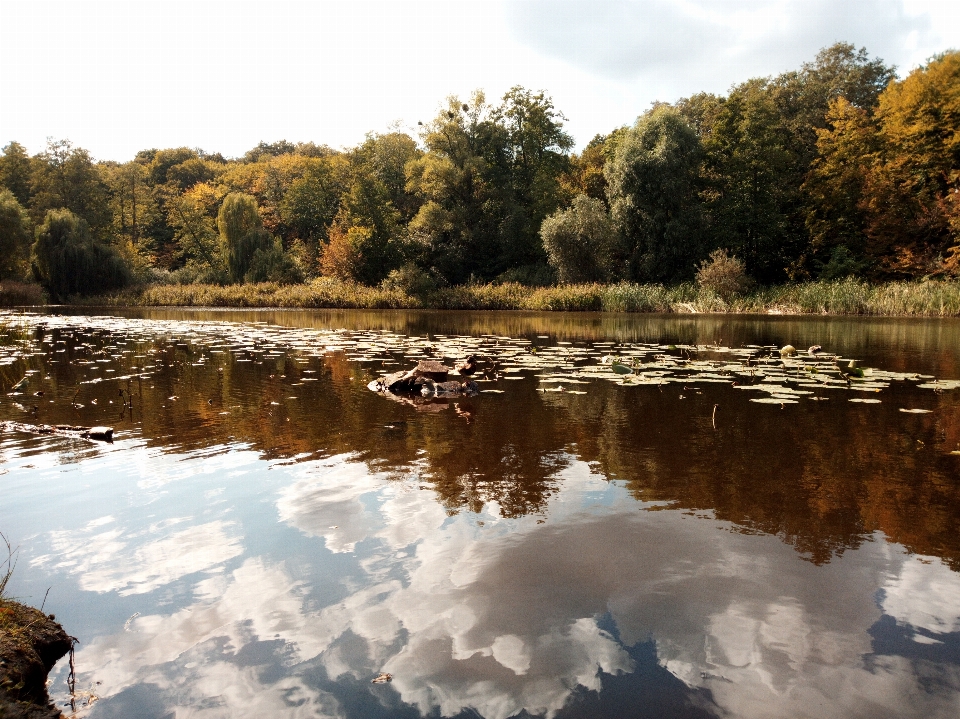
{"points": [[839, 168]]}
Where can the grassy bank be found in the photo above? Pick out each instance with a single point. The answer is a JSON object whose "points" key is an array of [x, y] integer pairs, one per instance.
{"points": [[844, 297]]}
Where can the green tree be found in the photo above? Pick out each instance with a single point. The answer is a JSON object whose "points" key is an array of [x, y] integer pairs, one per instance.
{"points": [[753, 182], [488, 179], [369, 219], [67, 259], [241, 233], [462, 182], [385, 158], [15, 171], [652, 185], [537, 153], [265, 150], [270, 263], [66, 177], [159, 162], [581, 242], [14, 236]]}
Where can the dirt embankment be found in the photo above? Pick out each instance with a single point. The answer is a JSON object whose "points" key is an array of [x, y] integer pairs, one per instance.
{"points": [[30, 644]]}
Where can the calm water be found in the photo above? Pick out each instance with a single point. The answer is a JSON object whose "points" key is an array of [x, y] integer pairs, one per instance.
{"points": [[266, 535]]}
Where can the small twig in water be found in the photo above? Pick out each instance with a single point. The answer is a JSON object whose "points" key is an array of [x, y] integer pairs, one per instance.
{"points": [[72, 676], [44, 599], [714, 418]]}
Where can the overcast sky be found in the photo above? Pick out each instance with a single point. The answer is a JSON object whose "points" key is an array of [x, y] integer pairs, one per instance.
{"points": [[117, 77]]}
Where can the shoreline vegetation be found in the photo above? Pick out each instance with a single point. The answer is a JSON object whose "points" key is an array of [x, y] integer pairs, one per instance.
{"points": [[931, 298]]}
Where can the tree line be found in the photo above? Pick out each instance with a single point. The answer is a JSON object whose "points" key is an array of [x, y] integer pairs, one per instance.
{"points": [[839, 168]]}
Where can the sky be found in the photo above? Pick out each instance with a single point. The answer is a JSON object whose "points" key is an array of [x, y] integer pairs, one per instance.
{"points": [[118, 77]]}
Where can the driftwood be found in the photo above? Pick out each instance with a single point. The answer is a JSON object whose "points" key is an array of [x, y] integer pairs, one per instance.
{"points": [[103, 434]]}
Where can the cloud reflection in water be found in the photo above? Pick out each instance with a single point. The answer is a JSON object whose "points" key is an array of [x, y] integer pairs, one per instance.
{"points": [[516, 615]]}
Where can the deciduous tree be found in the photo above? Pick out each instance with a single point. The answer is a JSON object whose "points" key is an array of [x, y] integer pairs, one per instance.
{"points": [[652, 185]]}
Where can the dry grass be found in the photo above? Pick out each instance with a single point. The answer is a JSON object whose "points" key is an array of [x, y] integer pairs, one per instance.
{"points": [[15, 294], [939, 298]]}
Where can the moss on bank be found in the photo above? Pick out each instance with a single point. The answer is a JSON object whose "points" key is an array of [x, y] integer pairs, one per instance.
{"points": [[934, 298]]}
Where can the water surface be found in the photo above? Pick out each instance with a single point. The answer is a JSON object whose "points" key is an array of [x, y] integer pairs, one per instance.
{"points": [[265, 535]]}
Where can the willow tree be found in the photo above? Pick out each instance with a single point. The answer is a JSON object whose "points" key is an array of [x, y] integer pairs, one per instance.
{"points": [[241, 233], [68, 260]]}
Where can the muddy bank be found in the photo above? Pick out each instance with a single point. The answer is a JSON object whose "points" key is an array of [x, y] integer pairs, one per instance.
{"points": [[30, 644]]}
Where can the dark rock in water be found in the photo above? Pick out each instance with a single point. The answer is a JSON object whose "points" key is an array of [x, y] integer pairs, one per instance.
{"points": [[30, 644], [431, 368], [454, 388], [468, 367], [428, 378], [396, 382]]}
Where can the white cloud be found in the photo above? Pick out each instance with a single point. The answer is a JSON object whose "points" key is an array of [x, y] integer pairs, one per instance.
{"points": [[117, 560], [925, 594], [117, 77]]}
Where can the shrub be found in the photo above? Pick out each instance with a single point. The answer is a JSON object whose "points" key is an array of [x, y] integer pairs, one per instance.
{"points": [[842, 263], [272, 264], [530, 275], [13, 294], [580, 241], [411, 280], [723, 274]]}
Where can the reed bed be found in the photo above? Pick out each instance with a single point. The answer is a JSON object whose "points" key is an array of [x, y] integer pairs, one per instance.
{"points": [[932, 298]]}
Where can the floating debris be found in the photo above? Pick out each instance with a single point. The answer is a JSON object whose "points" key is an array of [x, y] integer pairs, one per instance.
{"points": [[382, 678], [103, 434]]}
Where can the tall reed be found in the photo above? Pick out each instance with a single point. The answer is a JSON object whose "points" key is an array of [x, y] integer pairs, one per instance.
{"points": [[932, 298]]}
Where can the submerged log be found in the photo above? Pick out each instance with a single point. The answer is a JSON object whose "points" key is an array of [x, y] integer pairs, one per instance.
{"points": [[102, 434]]}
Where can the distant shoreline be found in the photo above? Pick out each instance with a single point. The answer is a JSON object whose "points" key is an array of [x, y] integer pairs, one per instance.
{"points": [[931, 298]]}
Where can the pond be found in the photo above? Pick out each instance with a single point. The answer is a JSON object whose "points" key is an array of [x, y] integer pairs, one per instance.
{"points": [[638, 515]]}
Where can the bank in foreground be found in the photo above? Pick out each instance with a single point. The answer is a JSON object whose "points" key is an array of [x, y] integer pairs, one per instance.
{"points": [[31, 642]]}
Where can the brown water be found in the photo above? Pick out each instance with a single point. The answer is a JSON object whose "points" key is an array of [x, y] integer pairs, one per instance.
{"points": [[266, 535]]}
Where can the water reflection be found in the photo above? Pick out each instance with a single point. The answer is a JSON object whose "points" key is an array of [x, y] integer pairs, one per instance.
{"points": [[266, 535]]}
